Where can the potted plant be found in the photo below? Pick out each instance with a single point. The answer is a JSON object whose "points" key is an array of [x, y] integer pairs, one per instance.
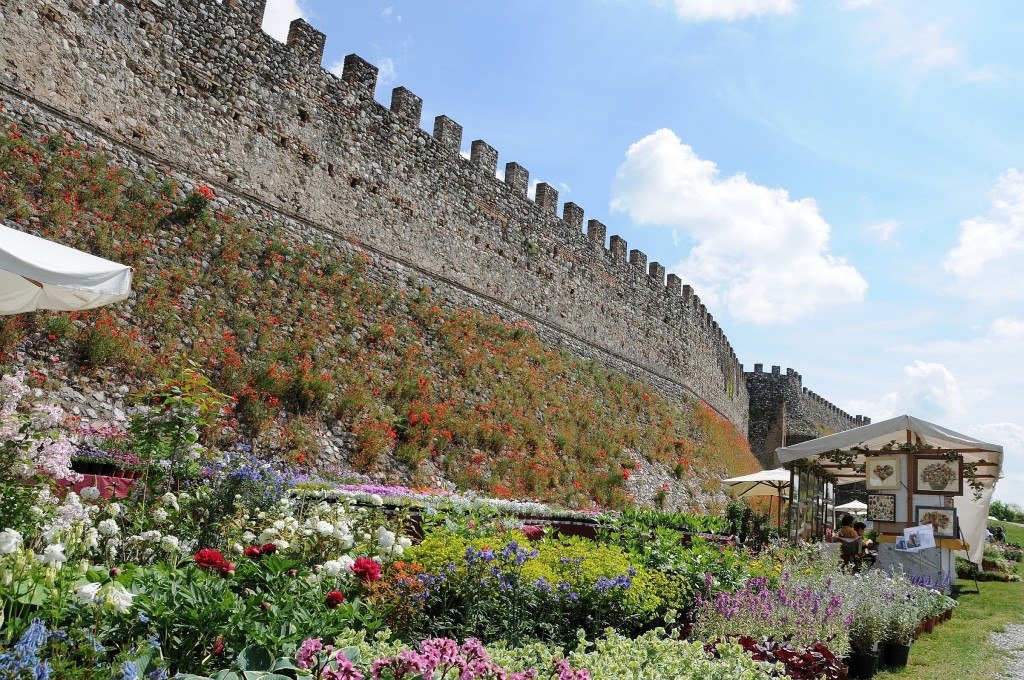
{"points": [[92, 461], [868, 629], [126, 465], [950, 606], [902, 619]]}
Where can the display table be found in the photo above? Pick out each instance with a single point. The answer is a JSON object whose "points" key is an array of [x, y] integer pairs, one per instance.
{"points": [[933, 567]]}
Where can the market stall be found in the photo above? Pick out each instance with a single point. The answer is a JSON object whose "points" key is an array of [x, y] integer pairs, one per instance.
{"points": [[928, 489]]}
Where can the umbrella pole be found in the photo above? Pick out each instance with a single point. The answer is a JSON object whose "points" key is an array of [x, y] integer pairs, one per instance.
{"points": [[778, 511]]}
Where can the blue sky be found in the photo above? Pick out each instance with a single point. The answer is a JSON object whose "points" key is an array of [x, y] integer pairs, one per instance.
{"points": [[842, 181]]}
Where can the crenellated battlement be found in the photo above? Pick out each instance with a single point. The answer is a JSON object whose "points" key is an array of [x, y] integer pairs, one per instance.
{"points": [[783, 411], [198, 86]]}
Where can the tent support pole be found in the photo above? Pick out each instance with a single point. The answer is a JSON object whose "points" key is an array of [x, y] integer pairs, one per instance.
{"points": [[974, 572]]}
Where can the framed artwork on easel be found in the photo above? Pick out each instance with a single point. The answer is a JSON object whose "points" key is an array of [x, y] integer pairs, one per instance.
{"points": [[943, 520]]}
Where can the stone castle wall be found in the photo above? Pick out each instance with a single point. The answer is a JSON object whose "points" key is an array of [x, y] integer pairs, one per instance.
{"points": [[197, 87], [784, 412]]}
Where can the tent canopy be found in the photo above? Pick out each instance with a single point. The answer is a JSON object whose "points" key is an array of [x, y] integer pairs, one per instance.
{"points": [[876, 435], [39, 274], [972, 514]]}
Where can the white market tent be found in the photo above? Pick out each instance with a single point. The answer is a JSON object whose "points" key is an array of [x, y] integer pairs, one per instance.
{"points": [[39, 274], [988, 458]]}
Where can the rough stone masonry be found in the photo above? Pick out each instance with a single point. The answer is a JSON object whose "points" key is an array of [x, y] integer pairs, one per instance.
{"points": [[197, 86]]}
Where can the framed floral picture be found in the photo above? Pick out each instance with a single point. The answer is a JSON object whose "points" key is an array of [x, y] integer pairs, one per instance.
{"points": [[935, 475], [882, 472], [882, 507], [943, 520]]}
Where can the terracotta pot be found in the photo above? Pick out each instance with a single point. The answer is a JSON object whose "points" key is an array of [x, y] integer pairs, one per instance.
{"points": [[929, 624], [948, 614]]}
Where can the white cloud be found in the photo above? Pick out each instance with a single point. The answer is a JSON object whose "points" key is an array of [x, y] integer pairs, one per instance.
{"points": [[925, 48], [758, 252], [389, 13], [386, 73], [1006, 328], [885, 231], [1010, 436], [986, 260], [908, 40], [730, 10], [279, 15], [928, 390]]}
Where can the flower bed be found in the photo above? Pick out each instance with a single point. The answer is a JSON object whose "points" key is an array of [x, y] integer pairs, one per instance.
{"points": [[250, 566]]}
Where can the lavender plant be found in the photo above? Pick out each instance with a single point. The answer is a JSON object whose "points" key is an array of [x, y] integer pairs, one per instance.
{"points": [[796, 610]]}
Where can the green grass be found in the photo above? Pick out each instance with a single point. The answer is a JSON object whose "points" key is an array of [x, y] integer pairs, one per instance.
{"points": [[960, 648]]}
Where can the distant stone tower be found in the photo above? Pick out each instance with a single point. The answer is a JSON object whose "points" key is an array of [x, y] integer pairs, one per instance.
{"points": [[783, 412]]}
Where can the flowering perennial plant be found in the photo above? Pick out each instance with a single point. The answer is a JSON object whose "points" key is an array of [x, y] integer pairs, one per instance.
{"points": [[795, 611]]}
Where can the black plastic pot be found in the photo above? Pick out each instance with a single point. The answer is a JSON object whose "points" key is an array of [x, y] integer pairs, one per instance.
{"points": [[895, 655], [862, 665]]}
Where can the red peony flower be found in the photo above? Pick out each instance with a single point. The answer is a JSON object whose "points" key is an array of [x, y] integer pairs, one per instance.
{"points": [[227, 569], [253, 551], [208, 557], [268, 548], [366, 569], [334, 599]]}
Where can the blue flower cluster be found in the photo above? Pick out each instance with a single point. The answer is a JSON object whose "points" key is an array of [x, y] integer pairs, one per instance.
{"points": [[623, 581], [23, 660]]}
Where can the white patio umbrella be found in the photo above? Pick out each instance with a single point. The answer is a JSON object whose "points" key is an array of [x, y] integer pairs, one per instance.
{"points": [[763, 483], [39, 274], [856, 507]]}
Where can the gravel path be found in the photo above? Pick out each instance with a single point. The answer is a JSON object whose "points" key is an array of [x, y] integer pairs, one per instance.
{"points": [[1013, 642]]}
